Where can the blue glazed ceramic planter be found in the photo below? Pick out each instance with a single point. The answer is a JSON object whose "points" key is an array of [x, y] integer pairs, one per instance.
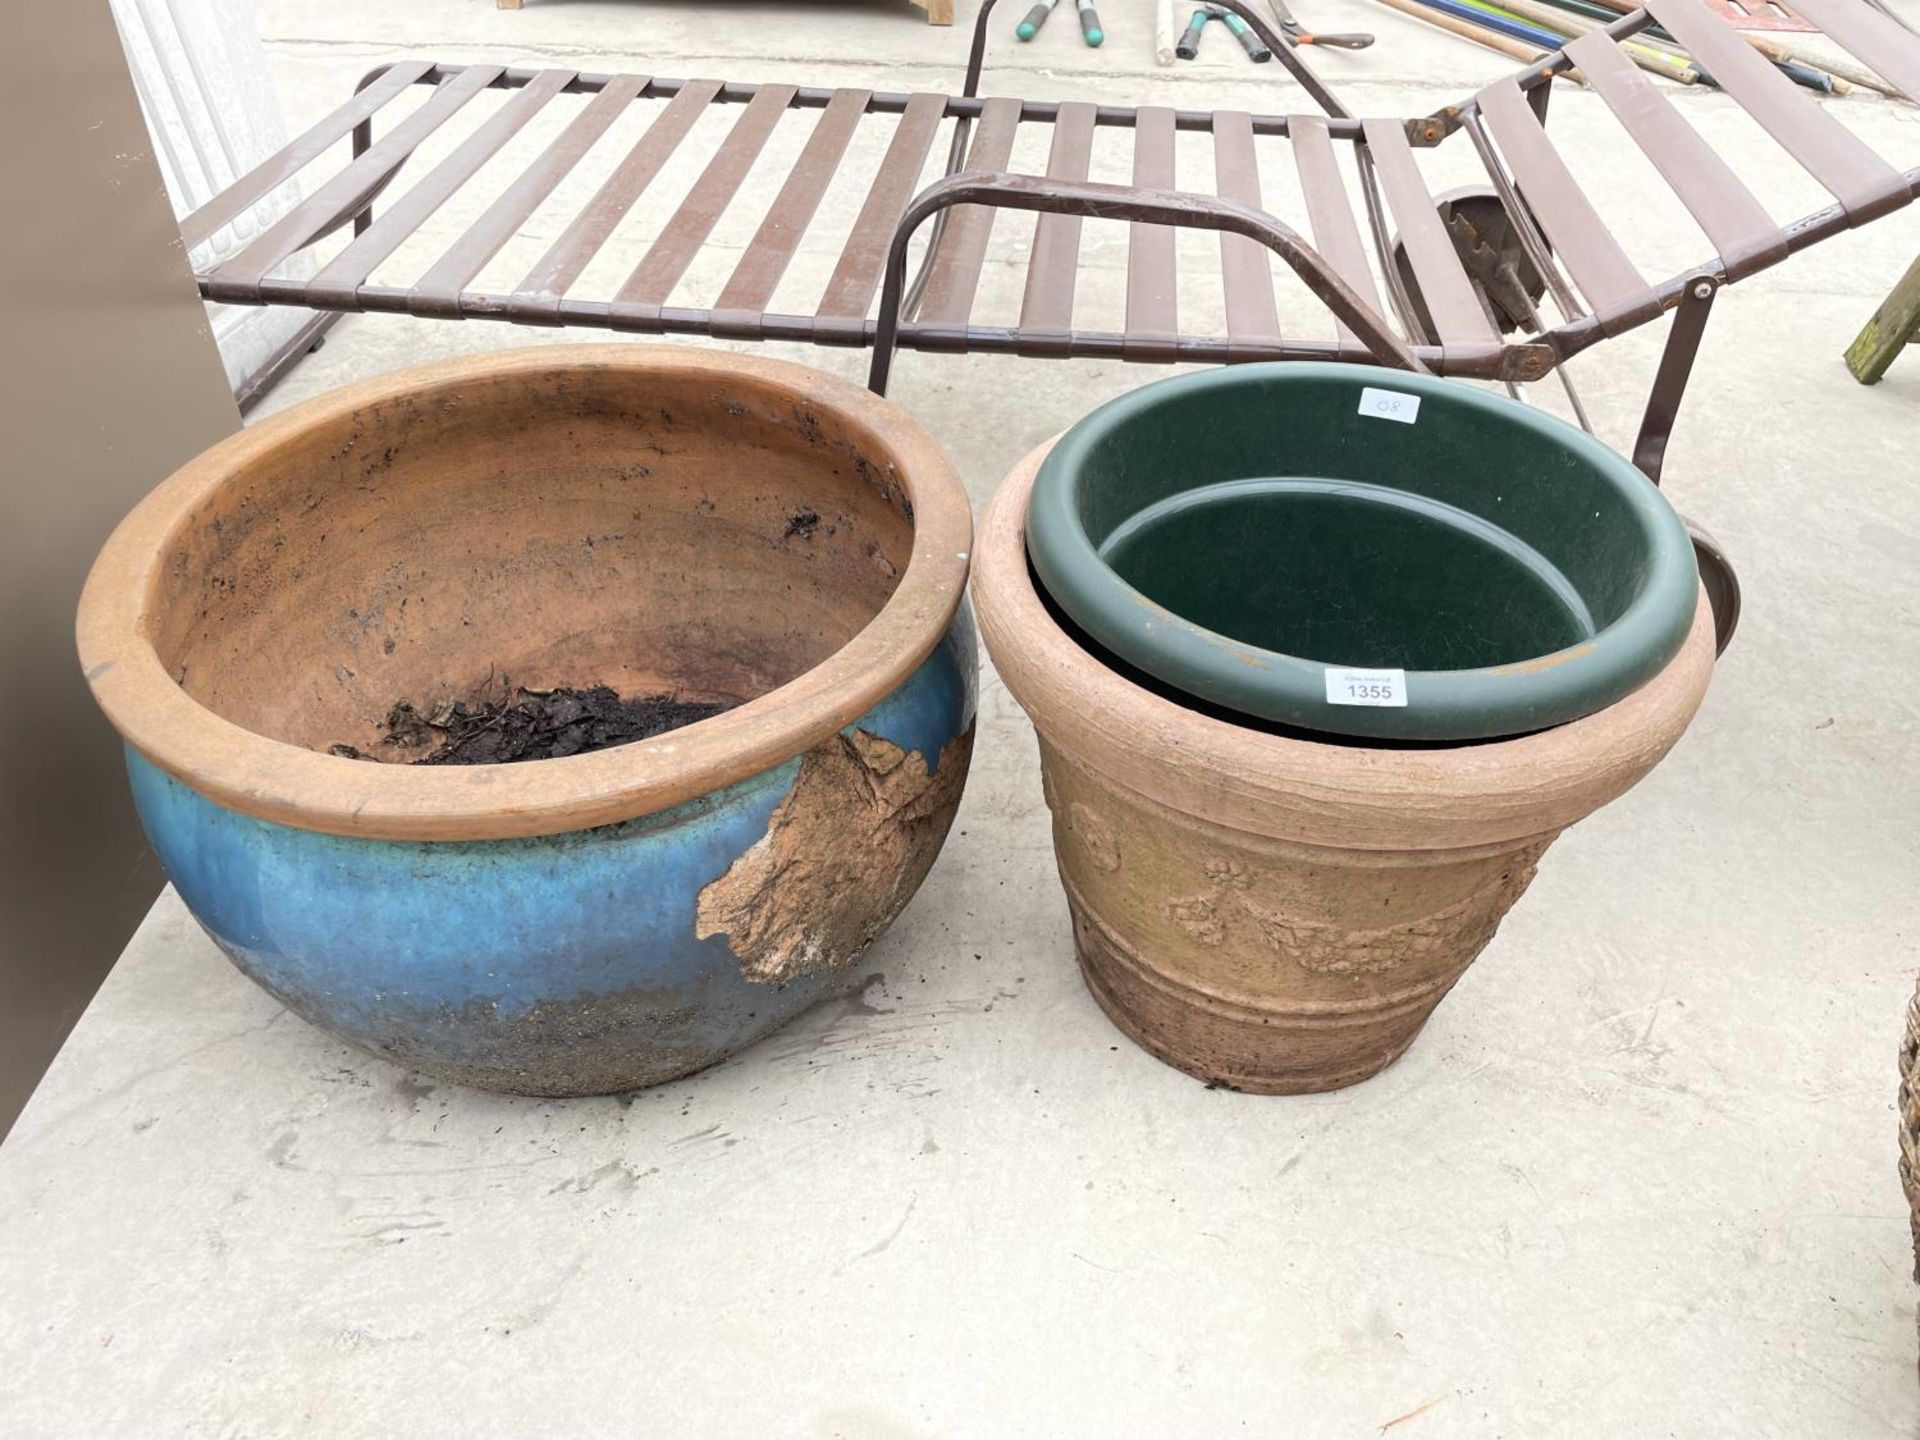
{"points": [[554, 964], [754, 533]]}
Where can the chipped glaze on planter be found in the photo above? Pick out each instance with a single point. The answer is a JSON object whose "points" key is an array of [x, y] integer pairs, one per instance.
{"points": [[585, 925], [1275, 914]]}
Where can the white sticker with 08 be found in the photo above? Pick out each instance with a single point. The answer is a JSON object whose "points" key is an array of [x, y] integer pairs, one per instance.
{"points": [[1366, 687], [1389, 405]]}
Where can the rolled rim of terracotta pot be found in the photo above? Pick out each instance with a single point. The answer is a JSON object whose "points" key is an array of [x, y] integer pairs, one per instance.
{"points": [[1465, 447], [292, 785], [1310, 791]]}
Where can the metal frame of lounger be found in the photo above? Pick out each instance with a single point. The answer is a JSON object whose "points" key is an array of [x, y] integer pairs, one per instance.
{"points": [[1436, 317]]}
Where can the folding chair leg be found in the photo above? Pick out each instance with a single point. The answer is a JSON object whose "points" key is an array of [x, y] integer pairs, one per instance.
{"points": [[1650, 450], [362, 142], [1670, 380], [309, 338]]}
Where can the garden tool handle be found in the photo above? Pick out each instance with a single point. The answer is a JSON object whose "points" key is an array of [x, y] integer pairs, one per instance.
{"points": [[1255, 47], [1291, 29], [1036, 17], [1090, 23], [1189, 45]]}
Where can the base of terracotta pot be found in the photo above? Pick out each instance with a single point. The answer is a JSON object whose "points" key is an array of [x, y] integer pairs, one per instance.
{"points": [[1238, 1047]]}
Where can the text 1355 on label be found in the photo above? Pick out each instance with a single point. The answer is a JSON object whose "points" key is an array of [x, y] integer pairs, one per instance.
{"points": [[1366, 687]]}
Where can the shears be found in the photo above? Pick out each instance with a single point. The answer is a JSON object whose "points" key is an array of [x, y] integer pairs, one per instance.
{"points": [[1290, 29]]}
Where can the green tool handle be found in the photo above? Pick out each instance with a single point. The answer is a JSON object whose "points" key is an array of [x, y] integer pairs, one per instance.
{"points": [[1036, 17], [1189, 45], [1249, 42], [1090, 23]]}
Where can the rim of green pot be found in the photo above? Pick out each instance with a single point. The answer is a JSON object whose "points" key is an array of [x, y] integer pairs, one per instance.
{"points": [[1513, 698]]}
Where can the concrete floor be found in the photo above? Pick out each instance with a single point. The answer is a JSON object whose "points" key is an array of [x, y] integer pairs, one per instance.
{"points": [[1637, 1177]]}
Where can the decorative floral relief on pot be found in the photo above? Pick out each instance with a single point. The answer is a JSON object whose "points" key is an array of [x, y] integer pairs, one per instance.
{"points": [[1226, 910], [1096, 834]]}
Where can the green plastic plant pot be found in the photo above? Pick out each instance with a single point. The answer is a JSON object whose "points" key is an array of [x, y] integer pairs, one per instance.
{"points": [[1355, 551]]}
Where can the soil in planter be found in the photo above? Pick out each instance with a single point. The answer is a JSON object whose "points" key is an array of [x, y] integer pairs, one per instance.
{"points": [[532, 725]]}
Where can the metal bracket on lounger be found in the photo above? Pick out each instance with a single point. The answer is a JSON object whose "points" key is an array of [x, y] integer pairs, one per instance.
{"points": [[1670, 380]]}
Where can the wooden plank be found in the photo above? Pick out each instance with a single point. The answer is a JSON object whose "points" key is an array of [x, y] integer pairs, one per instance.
{"points": [[1895, 324]]}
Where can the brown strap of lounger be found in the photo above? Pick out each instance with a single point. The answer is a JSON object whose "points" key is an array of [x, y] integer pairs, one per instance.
{"points": [[1046, 309], [1336, 235], [277, 169], [1736, 223], [438, 291], [1456, 310], [955, 277], [540, 292], [1614, 289], [757, 276], [857, 276], [1153, 281], [680, 239], [341, 276], [341, 195], [1885, 45], [1863, 183], [1245, 276]]}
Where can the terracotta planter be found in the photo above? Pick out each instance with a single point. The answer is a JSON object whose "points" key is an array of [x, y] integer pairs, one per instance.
{"points": [[652, 519], [1277, 914]]}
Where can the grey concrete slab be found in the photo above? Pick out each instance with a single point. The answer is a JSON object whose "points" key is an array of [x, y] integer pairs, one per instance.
{"points": [[1637, 1177]]}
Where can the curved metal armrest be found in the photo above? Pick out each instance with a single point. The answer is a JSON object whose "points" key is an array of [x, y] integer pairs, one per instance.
{"points": [[1122, 202]]}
